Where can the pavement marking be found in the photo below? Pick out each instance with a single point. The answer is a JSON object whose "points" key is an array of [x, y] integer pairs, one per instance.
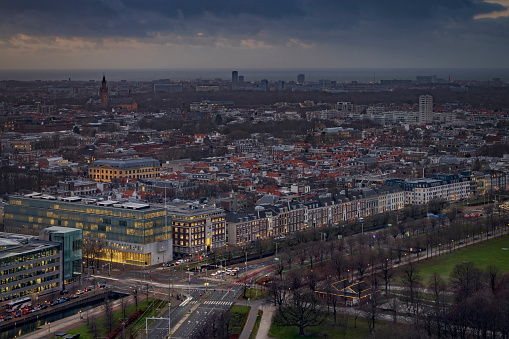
{"points": [[212, 302]]}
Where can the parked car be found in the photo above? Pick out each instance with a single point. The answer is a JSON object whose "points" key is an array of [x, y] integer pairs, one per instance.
{"points": [[64, 292]]}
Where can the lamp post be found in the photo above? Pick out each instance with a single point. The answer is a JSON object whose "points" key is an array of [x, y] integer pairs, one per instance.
{"points": [[246, 262]]}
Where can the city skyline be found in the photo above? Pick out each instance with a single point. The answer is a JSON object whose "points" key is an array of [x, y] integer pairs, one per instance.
{"points": [[261, 34]]}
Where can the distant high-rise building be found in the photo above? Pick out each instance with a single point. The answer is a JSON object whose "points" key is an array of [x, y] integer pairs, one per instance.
{"points": [[426, 79], [324, 84], [235, 80], [264, 84], [241, 79], [281, 85], [301, 78], [425, 108], [103, 93]]}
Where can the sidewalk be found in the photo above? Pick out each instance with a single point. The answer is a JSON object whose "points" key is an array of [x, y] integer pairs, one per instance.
{"points": [[251, 318], [268, 313]]}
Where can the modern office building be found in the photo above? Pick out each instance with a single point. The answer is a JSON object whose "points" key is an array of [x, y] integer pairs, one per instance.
{"points": [[105, 170], [29, 266], [71, 240], [235, 80], [264, 85], [197, 228], [124, 232], [301, 78], [281, 85], [425, 109]]}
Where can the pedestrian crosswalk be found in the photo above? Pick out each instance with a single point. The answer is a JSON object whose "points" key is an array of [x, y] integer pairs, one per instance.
{"points": [[213, 302], [188, 302]]}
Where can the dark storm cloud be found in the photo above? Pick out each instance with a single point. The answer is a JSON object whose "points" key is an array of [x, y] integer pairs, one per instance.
{"points": [[309, 20]]}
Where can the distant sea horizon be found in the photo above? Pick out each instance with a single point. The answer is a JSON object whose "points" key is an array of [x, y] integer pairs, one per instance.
{"points": [[364, 75]]}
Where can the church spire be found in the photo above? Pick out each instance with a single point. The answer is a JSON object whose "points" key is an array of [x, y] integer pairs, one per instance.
{"points": [[104, 92]]}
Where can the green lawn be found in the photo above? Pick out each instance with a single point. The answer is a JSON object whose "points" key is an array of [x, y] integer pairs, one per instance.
{"points": [[328, 330], [255, 294], [487, 253], [238, 316], [84, 332]]}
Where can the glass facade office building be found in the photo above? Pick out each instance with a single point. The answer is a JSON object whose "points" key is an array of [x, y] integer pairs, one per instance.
{"points": [[71, 240], [130, 233], [29, 267]]}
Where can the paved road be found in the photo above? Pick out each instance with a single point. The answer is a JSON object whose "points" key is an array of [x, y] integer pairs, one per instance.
{"points": [[159, 328], [220, 300]]}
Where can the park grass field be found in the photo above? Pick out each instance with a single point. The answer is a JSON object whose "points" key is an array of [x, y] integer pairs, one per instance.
{"points": [[483, 254]]}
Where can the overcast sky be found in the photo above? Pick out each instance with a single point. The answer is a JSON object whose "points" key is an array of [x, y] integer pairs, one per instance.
{"points": [[236, 34]]}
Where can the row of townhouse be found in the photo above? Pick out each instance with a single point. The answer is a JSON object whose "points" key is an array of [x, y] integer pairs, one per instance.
{"points": [[449, 187], [488, 182], [452, 187], [287, 217], [291, 216]]}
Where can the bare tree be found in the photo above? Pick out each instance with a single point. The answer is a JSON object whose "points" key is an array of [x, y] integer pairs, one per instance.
{"points": [[371, 308], [338, 264], [343, 324], [108, 315], [278, 289], [387, 272], [301, 309], [438, 286], [93, 327], [492, 274], [465, 280], [123, 306], [411, 280]]}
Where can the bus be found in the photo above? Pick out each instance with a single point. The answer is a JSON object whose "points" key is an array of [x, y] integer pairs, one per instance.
{"points": [[18, 304]]}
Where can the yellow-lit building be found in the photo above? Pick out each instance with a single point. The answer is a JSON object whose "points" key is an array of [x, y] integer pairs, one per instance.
{"points": [[19, 145], [105, 170], [118, 232], [197, 228]]}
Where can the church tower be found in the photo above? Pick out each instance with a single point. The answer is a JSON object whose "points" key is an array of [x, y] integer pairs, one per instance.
{"points": [[103, 93]]}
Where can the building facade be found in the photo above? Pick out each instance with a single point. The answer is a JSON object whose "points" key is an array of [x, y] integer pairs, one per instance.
{"points": [[71, 241], [449, 187], [28, 266], [425, 109], [127, 233], [197, 228], [235, 80], [105, 170]]}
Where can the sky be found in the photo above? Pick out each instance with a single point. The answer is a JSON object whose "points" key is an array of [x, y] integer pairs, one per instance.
{"points": [[250, 34]]}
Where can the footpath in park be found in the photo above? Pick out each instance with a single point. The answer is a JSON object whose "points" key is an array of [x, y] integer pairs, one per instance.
{"points": [[268, 313], [251, 318]]}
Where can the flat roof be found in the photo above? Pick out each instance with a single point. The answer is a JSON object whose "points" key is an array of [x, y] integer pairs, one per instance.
{"points": [[192, 209], [127, 162], [61, 229], [92, 201]]}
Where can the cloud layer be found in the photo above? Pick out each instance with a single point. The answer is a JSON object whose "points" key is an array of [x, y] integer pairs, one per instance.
{"points": [[305, 33]]}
